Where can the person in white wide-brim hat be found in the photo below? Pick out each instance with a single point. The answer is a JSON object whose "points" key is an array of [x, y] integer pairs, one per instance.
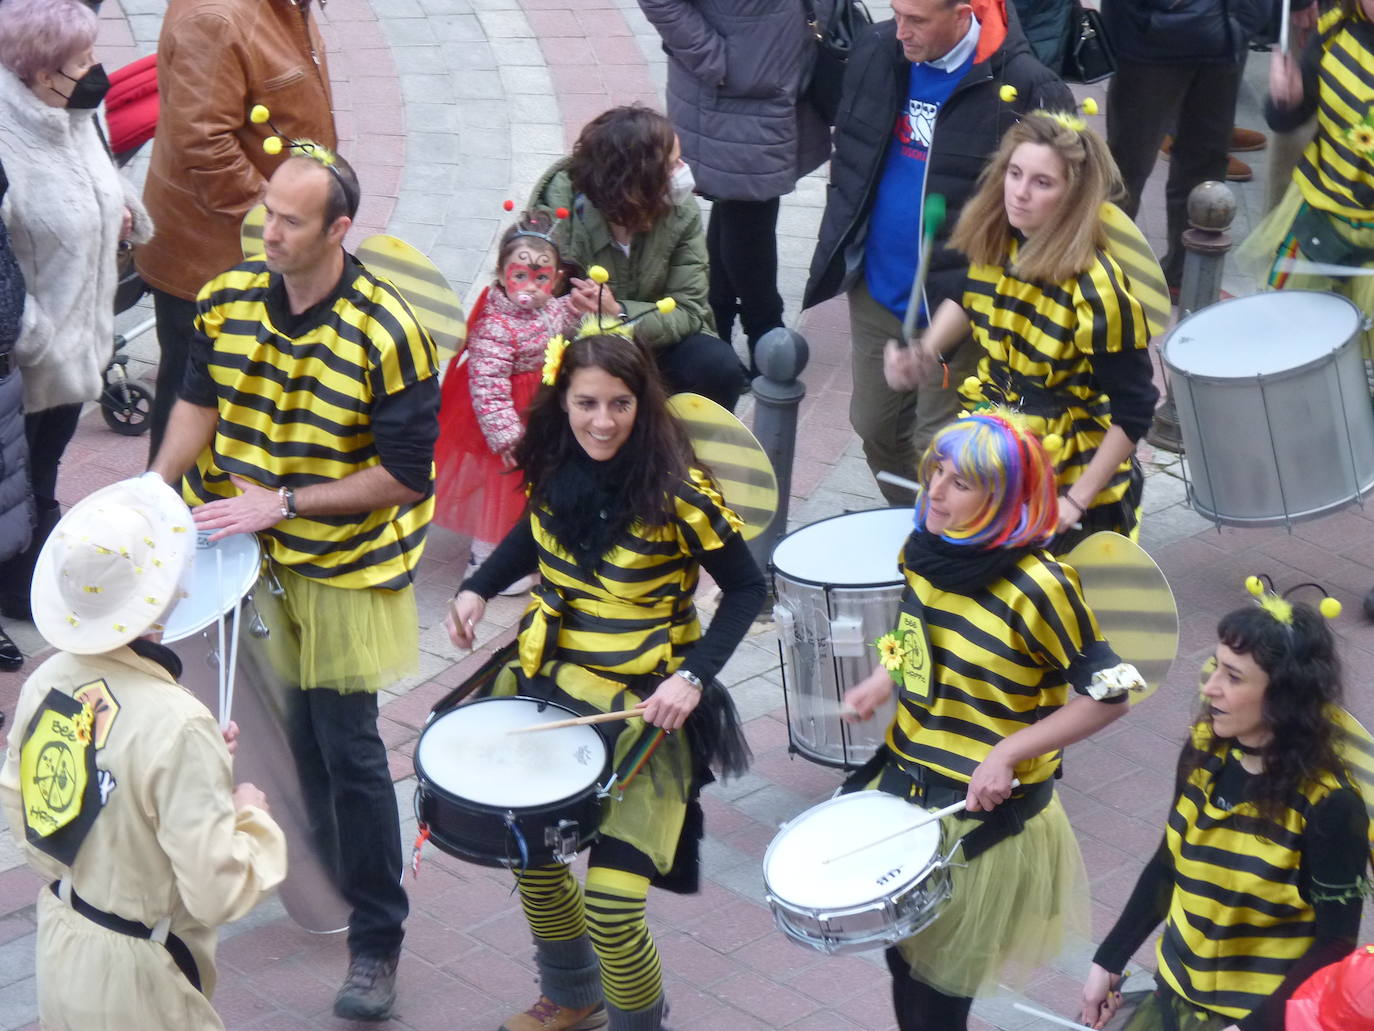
{"points": [[117, 781]]}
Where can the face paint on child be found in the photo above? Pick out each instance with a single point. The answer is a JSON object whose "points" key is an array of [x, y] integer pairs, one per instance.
{"points": [[529, 276]]}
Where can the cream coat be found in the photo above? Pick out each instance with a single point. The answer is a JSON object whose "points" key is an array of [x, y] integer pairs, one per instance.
{"points": [[64, 210], [168, 842]]}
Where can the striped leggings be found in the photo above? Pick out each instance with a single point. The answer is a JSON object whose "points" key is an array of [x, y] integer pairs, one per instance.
{"points": [[611, 913]]}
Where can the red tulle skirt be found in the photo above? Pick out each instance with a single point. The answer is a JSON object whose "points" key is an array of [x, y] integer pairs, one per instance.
{"points": [[474, 493]]}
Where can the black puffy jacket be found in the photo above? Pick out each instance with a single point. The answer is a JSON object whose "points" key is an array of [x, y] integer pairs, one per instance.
{"points": [[1183, 31], [967, 131]]}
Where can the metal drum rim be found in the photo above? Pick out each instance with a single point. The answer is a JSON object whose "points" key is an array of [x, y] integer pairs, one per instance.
{"points": [[213, 618], [807, 582]]}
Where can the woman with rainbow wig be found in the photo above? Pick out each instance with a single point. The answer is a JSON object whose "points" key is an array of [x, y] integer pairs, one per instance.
{"points": [[998, 664]]}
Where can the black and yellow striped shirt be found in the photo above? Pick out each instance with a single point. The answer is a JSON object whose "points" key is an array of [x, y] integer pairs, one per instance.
{"points": [[1336, 172], [296, 407], [1237, 919], [1039, 341], [1002, 657]]}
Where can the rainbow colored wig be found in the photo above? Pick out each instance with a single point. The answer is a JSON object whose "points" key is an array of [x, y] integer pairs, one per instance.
{"points": [[990, 449]]}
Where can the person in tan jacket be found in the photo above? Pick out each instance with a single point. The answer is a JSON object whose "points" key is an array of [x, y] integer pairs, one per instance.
{"points": [[117, 781], [216, 60]]}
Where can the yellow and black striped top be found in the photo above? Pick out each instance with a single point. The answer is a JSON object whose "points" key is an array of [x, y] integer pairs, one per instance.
{"points": [[1336, 172], [1237, 918], [1038, 342], [296, 410], [635, 614], [1002, 657]]}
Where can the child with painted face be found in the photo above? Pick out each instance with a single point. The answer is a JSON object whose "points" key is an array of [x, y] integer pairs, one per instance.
{"points": [[485, 398]]}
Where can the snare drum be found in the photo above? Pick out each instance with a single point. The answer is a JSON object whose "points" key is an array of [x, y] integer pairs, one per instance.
{"points": [[871, 899], [219, 576], [510, 800], [1273, 406], [837, 583]]}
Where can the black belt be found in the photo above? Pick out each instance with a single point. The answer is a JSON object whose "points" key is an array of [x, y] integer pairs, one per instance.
{"points": [[7, 364], [180, 953]]}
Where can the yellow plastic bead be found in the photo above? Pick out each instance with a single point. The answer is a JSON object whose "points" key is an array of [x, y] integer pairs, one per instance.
{"points": [[259, 114], [597, 274], [1330, 608], [272, 144], [1089, 106], [665, 305], [1254, 585], [1008, 92]]}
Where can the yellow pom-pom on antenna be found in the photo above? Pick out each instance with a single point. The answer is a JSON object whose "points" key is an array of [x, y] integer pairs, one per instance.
{"points": [[1008, 93], [1329, 607], [972, 386], [597, 274], [665, 305], [1254, 585], [1053, 443], [259, 114], [272, 145], [1089, 106]]}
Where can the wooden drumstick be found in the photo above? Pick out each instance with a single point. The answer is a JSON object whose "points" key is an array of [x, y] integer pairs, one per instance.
{"points": [[928, 818], [580, 721], [1053, 1018], [899, 481]]}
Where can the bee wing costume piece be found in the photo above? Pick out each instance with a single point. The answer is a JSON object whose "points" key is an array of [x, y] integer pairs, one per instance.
{"points": [[738, 463]]}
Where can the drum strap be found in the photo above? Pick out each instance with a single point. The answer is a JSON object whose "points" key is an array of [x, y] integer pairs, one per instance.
{"points": [[180, 952], [1033, 398]]}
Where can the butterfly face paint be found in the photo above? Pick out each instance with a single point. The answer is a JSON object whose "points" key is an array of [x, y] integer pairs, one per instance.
{"points": [[529, 275]]}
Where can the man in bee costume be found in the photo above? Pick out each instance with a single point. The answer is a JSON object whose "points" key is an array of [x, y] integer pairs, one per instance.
{"points": [[117, 781]]}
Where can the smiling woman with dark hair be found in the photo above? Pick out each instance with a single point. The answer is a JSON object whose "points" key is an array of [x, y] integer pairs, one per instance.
{"points": [[1260, 877], [628, 199]]}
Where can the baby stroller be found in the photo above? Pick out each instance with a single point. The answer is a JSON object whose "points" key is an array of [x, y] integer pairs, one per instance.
{"points": [[131, 111]]}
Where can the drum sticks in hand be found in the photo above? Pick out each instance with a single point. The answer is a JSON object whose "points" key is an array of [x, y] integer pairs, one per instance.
{"points": [[580, 721]]}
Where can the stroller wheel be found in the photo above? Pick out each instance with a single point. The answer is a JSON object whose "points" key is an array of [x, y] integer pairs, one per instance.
{"points": [[127, 415]]}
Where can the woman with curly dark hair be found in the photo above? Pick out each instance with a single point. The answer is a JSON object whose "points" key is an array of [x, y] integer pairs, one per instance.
{"points": [[621, 522], [1260, 877], [628, 196]]}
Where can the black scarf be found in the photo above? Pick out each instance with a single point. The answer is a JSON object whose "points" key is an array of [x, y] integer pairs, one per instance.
{"points": [[586, 508], [961, 568]]}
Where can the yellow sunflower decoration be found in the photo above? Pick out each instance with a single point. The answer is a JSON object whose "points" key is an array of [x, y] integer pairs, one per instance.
{"points": [[553, 358], [891, 651], [1361, 138]]}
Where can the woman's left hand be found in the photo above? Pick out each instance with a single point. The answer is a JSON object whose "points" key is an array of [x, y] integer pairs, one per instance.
{"points": [[671, 703], [586, 294], [991, 783], [126, 225]]}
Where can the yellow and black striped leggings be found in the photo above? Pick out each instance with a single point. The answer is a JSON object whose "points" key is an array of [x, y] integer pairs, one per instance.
{"points": [[611, 913]]}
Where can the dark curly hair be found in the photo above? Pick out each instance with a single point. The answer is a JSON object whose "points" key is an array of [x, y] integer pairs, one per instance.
{"points": [[620, 161], [657, 454], [1304, 681]]}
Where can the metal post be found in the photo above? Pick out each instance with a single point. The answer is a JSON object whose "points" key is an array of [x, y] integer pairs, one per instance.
{"points": [[1211, 207], [781, 354]]}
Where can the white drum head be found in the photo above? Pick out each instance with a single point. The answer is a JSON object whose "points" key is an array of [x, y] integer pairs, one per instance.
{"points": [[858, 549], [469, 753], [795, 868], [210, 593], [1262, 334]]}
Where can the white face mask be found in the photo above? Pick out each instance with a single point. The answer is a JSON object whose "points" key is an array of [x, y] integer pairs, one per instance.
{"points": [[681, 183]]}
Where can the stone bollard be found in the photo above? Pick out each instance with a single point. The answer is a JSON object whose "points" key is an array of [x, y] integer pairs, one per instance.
{"points": [[1211, 207], [781, 355]]}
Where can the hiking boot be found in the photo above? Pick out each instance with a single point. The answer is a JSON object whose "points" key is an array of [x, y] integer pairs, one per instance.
{"points": [[547, 1015], [1247, 139], [1237, 171], [369, 990]]}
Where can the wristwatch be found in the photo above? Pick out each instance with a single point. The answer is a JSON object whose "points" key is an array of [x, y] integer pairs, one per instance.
{"points": [[287, 497], [691, 678]]}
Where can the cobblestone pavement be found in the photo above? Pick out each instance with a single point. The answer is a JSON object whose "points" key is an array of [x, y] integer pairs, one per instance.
{"points": [[448, 107]]}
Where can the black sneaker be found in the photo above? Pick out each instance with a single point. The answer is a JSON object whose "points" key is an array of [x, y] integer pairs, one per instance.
{"points": [[369, 990], [11, 658]]}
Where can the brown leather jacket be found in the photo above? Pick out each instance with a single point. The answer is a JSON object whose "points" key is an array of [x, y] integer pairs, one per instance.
{"points": [[216, 59]]}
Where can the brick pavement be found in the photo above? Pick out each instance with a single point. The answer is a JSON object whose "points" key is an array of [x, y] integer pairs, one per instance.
{"points": [[449, 106]]}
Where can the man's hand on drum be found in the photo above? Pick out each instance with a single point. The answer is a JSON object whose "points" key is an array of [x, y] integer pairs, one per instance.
{"points": [[906, 368], [671, 703], [465, 611], [255, 508], [862, 700], [991, 783], [1100, 998]]}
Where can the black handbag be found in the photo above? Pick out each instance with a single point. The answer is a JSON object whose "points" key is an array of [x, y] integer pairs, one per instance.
{"points": [[835, 39], [1088, 56]]}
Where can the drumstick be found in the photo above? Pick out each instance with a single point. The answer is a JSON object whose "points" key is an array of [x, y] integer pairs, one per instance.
{"points": [[933, 217], [580, 721], [930, 817], [227, 708], [1285, 16], [899, 481], [223, 656], [1051, 1017]]}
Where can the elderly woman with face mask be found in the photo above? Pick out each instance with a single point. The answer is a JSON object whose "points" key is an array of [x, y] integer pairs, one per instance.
{"points": [[67, 211]]}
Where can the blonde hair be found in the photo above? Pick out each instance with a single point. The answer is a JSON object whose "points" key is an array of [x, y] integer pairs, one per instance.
{"points": [[1070, 240]]}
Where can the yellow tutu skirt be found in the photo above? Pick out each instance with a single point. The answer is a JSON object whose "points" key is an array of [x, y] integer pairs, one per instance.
{"points": [[1257, 256], [1151, 1013], [344, 639], [1009, 911]]}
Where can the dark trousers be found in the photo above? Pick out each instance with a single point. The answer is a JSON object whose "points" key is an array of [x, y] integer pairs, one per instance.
{"points": [[705, 365], [920, 1007], [742, 243], [48, 433], [176, 324], [1197, 103], [342, 765]]}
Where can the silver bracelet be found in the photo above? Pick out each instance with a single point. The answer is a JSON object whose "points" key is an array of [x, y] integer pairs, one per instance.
{"points": [[691, 678]]}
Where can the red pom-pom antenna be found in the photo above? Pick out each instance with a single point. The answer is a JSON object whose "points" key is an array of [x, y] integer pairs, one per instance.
{"points": [[561, 213], [509, 205]]}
